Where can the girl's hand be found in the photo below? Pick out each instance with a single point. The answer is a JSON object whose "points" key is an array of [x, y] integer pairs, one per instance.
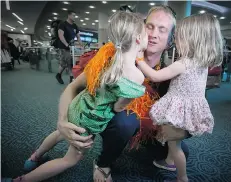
{"points": [[140, 54]]}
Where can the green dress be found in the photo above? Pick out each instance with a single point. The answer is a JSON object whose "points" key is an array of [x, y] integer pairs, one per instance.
{"points": [[94, 112]]}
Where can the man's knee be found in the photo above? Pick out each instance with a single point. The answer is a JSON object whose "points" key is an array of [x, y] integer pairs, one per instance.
{"points": [[126, 124]]}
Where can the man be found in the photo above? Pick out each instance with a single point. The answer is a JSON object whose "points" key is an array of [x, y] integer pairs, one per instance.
{"points": [[67, 32], [160, 24], [13, 50]]}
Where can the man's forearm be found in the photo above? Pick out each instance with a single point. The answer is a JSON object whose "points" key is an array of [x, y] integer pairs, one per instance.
{"points": [[66, 98], [79, 40], [63, 40]]}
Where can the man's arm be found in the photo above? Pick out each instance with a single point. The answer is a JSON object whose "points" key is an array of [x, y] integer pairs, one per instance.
{"points": [[68, 130], [69, 94], [121, 104], [78, 36], [62, 38], [79, 40]]}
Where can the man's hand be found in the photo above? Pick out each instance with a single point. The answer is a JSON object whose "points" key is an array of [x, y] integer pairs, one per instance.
{"points": [[72, 133]]}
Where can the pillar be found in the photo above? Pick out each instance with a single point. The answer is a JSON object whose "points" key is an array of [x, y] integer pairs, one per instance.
{"points": [[102, 29], [181, 8]]}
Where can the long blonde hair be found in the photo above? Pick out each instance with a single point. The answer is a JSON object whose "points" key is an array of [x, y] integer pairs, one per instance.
{"points": [[198, 37], [122, 31]]}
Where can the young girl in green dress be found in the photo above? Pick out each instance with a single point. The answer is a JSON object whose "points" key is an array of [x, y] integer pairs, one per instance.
{"points": [[120, 81]]}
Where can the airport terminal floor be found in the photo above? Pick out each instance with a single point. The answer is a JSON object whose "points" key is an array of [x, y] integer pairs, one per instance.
{"points": [[29, 113]]}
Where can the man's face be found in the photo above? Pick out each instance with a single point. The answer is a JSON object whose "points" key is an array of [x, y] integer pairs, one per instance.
{"points": [[158, 25], [72, 16]]}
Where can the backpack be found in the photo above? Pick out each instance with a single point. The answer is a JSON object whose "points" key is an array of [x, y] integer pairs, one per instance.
{"points": [[54, 33]]}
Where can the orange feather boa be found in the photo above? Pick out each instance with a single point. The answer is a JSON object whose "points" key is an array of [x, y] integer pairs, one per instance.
{"points": [[140, 106]]}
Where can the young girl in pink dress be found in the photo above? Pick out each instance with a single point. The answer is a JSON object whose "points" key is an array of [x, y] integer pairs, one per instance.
{"points": [[184, 108]]}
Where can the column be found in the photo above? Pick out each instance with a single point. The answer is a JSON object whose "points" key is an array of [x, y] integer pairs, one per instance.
{"points": [[102, 29], [181, 8]]}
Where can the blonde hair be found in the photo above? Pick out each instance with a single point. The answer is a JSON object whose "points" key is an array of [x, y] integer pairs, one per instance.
{"points": [[168, 11], [122, 31], [198, 37]]}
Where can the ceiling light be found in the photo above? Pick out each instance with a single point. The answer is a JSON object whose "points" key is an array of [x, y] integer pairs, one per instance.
{"points": [[48, 28], [10, 26], [49, 33], [81, 20], [76, 17], [202, 11], [92, 7], [109, 21], [49, 20], [34, 41], [55, 13], [152, 4], [21, 31], [93, 23], [17, 16], [87, 12], [104, 2], [25, 28], [65, 2], [55, 18], [20, 22], [222, 18], [45, 30], [84, 23], [215, 16], [113, 10], [96, 20], [129, 6], [64, 9], [86, 18], [12, 29]]}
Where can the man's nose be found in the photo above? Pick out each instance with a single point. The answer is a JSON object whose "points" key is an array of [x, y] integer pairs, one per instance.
{"points": [[154, 33]]}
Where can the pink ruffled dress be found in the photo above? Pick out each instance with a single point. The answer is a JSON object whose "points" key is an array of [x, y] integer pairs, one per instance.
{"points": [[185, 106]]}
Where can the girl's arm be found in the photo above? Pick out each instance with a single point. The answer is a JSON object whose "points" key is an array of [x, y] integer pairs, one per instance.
{"points": [[167, 73], [121, 104]]}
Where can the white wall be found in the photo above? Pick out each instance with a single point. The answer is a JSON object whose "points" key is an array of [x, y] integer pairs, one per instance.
{"points": [[27, 38]]}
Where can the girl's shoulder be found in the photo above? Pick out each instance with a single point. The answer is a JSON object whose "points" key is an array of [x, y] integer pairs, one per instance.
{"points": [[134, 75]]}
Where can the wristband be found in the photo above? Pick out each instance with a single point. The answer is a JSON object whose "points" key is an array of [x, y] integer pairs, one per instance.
{"points": [[139, 59]]}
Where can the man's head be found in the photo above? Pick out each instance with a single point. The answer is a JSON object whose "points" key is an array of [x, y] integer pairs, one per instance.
{"points": [[160, 25], [71, 16], [10, 40]]}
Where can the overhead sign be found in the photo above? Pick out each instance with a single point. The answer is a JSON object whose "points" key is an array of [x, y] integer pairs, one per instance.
{"points": [[86, 33], [87, 36]]}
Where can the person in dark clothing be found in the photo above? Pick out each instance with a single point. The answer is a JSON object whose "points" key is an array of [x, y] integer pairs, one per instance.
{"points": [[67, 32], [13, 50]]}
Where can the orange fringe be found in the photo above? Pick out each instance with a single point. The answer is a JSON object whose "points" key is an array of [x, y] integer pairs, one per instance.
{"points": [[97, 65], [140, 106]]}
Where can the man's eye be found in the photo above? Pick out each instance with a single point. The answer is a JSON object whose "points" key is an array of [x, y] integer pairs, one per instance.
{"points": [[149, 27], [163, 30]]}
